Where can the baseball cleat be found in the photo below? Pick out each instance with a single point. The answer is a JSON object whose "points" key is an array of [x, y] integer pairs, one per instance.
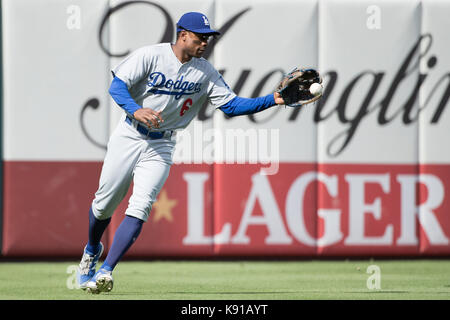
{"points": [[86, 269], [102, 281]]}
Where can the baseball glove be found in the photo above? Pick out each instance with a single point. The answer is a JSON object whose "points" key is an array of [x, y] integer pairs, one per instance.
{"points": [[294, 87]]}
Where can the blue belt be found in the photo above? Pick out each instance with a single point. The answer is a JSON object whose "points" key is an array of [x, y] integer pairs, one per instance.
{"points": [[142, 129]]}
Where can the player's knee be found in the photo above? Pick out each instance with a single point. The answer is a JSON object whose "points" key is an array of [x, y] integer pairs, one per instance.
{"points": [[139, 209], [140, 213], [102, 212]]}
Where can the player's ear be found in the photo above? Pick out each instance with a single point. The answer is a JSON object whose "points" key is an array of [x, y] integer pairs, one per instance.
{"points": [[181, 34]]}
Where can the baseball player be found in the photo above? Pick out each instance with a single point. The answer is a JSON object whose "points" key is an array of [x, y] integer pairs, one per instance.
{"points": [[161, 88]]}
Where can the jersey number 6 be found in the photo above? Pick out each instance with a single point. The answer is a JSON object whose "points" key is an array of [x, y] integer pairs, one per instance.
{"points": [[185, 106]]}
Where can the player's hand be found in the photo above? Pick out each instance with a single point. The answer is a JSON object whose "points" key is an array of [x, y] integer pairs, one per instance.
{"points": [[149, 117], [277, 97]]}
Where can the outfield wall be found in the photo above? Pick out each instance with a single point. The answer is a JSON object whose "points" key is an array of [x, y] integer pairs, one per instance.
{"points": [[363, 172]]}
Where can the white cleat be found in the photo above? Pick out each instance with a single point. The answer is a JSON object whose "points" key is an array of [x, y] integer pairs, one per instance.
{"points": [[86, 269], [102, 281]]}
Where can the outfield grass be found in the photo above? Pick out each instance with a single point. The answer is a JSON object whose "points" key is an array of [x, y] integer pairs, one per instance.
{"points": [[246, 280]]}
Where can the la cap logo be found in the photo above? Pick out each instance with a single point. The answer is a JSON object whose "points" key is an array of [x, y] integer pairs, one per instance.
{"points": [[205, 20]]}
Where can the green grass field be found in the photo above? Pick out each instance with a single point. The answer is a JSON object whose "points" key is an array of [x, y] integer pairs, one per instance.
{"points": [[236, 280]]}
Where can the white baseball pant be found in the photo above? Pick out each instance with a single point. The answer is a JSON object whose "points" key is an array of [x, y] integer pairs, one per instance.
{"points": [[131, 156]]}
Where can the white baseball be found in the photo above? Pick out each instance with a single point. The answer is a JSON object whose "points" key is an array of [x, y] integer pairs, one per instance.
{"points": [[316, 89]]}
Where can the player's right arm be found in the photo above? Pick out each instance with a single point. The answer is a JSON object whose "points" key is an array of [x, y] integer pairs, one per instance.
{"points": [[130, 72], [119, 92]]}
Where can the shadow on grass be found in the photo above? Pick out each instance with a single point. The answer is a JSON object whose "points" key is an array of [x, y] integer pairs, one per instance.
{"points": [[394, 291], [248, 292], [378, 291], [267, 292], [198, 292]]}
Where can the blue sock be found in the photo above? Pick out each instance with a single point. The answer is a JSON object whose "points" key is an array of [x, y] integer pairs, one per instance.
{"points": [[96, 229], [126, 234]]}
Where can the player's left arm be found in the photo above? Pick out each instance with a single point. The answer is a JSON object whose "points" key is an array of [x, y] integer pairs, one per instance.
{"points": [[241, 106], [277, 97], [221, 95]]}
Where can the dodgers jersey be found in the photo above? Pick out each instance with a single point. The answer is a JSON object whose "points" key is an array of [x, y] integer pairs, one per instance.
{"points": [[156, 79]]}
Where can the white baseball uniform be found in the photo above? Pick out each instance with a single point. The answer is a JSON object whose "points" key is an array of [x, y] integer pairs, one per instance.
{"points": [[156, 79]]}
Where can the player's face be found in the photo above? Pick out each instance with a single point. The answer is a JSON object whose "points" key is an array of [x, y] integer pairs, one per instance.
{"points": [[196, 43]]}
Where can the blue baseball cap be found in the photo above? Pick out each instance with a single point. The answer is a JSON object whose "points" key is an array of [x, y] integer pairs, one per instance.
{"points": [[196, 22]]}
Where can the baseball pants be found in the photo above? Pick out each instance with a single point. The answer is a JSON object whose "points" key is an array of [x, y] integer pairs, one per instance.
{"points": [[131, 156]]}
